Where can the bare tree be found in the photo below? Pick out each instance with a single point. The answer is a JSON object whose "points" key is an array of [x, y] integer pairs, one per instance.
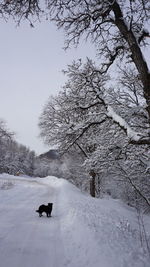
{"points": [[20, 10], [4, 132]]}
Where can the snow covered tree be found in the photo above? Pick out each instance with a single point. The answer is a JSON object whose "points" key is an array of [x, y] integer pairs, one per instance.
{"points": [[85, 102], [6, 139], [117, 27], [13, 156], [83, 116]]}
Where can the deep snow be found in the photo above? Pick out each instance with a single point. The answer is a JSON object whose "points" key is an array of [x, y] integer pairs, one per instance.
{"points": [[82, 232]]}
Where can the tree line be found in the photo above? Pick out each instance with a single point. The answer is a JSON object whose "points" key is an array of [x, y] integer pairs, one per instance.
{"points": [[15, 158]]}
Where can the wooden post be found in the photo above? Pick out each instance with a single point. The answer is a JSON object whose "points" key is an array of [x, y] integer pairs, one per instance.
{"points": [[92, 183]]}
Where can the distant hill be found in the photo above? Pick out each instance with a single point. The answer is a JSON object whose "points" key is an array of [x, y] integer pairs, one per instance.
{"points": [[52, 154]]}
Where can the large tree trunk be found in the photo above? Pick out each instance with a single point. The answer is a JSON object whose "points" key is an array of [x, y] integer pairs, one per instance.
{"points": [[136, 52]]}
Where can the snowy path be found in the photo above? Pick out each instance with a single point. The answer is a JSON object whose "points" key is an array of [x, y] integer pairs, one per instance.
{"points": [[82, 232], [25, 239]]}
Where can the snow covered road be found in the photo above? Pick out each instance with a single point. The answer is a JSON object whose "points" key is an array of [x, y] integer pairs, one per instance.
{"points": [[82, 232], [25, 239]]}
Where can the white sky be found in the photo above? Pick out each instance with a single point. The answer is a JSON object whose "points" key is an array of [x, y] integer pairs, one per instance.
{"points": [[31, 61]]}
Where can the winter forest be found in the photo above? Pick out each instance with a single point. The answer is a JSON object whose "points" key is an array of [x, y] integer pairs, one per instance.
{"points": [[100, 120]]}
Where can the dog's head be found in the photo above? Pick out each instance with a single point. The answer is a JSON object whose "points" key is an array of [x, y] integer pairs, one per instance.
{"points": [[50, 204]]}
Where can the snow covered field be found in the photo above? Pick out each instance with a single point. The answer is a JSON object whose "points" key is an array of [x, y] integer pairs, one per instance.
{"points": [[82, 232]]}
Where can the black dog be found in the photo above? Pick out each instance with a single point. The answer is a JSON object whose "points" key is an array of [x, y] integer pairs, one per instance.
{"points": [[45, 208]]}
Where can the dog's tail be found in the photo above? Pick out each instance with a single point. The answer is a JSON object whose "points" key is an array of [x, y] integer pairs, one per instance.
{"points": [[37, 210]]}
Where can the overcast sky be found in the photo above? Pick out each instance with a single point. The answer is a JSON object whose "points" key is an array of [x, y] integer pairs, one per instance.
{"points": [[31, 63]]}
